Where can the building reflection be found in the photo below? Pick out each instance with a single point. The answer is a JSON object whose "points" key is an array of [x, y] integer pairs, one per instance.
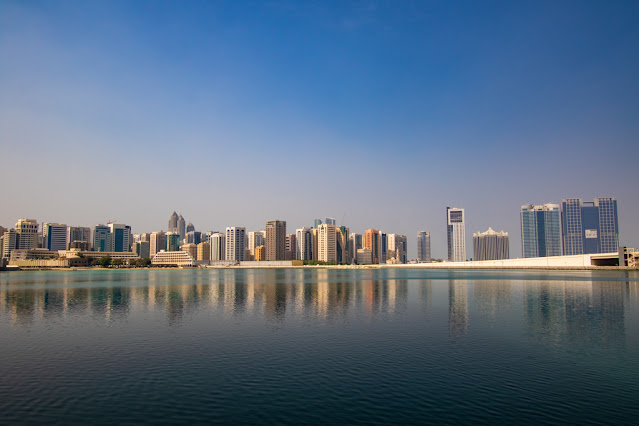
{"points": [[272, 294], [492, 296], [457, 307]]}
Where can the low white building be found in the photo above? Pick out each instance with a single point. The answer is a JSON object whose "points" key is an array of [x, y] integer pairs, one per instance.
{"points": [[173, 258]]}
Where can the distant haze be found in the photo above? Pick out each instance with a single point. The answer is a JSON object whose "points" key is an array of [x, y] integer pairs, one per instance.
{"points": [[381, 113]]}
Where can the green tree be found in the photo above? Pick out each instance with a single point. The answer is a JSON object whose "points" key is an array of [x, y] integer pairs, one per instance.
{"points": [[105, 261], [117, 262], [145, 262]]}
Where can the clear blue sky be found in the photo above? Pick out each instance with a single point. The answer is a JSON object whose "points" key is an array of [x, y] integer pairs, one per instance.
{"points": [[234, 113]]}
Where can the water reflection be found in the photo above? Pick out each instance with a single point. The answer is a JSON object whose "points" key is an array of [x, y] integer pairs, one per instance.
{"points": [[457, 307]]}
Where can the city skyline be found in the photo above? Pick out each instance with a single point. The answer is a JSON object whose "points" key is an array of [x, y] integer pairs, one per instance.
{"points": [[414, 99]]}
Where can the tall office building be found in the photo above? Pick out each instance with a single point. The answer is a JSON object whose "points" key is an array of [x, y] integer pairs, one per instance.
{"points": [[456, 233], [218, 246], [314, 235], [354, 244], [329, 221], [304, 244], [204, 251], [317, 223], [235, 243], [397, 247], [326, 243], [121, 237], [291, 246], [341, 245], [27, 234], [173, 222], [275, 243], [101, 238], [54, 236], [2, 230], [190, 227], [491, 245], [142, 249], [373, 244], [9, 243], [157, 242], [255, 239], [78, 233], [423, 246], [193, 237], [589, 227], [191, 249], [540, 230], [383, 247], [181, 225], [172, 241]]}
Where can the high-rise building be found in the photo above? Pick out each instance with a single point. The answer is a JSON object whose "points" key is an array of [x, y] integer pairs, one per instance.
{"points": [[191, 249], [372, 242], [540, 230], [181, 224], [354, 244], [101, 238], [304, 244], [2, 230], [190, 227], [78, 233], [456, 233], [589, 227], [173, 222], [204, 251], [255, 239], [172, 241], [27, 234], [235, 243], [218, 246], [9, 243], [317, 223], [157, 243], [423, 246], [121, 237], [491, 245], [397, 247], [291, 246], [54, 236], [275, 240], [329, 221], [383, 247], [143, 249], [260, 253], [193, 237], [326, 243], [341, 245], [364, 256], [314, 237]]}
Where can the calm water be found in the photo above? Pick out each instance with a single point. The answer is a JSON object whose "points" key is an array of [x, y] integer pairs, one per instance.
{"points": [[310, 346]]}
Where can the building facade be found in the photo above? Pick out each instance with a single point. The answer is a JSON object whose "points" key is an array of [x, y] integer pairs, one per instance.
{"points": [[491, 245], [235, 243], [372, 242], [423, 246], [255, 239], [101, 238], [121, 237], [27, 234], [326, 243], [157, 242], [456, 234], [291, 246], [397, 248], [540, 230], [78, 233], [218, 246], [304, 244], [54, 236], [589, 227], [275, 240]]}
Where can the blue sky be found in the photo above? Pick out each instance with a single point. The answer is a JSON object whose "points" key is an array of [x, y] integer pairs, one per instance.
{"points": [[234, 113]]}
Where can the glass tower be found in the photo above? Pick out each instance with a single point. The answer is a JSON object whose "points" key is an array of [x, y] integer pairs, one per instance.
{"points": [[590, 227], [540, 230]]}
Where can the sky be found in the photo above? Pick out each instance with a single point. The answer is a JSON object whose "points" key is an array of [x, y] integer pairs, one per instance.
{"points": [[377, 113]]}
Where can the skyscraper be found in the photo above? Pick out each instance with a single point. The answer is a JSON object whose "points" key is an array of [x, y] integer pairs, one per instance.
{"points": [[120, 237], [304, 247], [275, 240], [190, 227], [218, 246], [317, 223], [342, 245], [354, 243], [397, 247], [491, 245], [329, 221], [172, 241], [540, 230], [235, 243], [101, 238], [27, 234], [456, 233], [423, 246], [373, 244], [78, 233], [181, 225], [589, 227], [54, 236], [255, 239], [173, 222], [326, 243], [158, 242], [291, 246]]}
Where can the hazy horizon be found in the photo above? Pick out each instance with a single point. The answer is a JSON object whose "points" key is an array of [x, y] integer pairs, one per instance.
{"points": [[381, 113]]}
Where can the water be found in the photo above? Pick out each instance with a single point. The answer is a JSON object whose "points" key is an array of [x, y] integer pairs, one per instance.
{"points": [[311, 346]]}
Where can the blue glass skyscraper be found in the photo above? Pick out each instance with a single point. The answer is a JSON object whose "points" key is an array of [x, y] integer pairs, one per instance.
{"points": [[540, 230], [590, 227]]}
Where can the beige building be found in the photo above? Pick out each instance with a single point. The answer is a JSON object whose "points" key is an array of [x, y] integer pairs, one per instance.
{"points": [[191, 249], [364, 256], [27, 234], [204, 251], [255, 239], [326, 243], [260, 253], [173, 258], [291, 247], [275, 243], [314, 236]]}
